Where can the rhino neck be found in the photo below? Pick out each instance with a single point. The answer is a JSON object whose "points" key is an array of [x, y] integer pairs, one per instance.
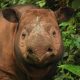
{"points": [[30, 73]]}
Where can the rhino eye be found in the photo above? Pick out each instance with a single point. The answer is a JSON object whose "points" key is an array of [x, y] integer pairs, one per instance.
{"points": [[23, 35]]}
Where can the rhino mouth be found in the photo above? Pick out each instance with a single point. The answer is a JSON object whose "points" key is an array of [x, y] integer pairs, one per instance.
{"points": [[32, 61], [38, 65]]}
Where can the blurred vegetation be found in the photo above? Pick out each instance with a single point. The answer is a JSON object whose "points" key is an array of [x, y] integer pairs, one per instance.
{"points": [[69, 66]]}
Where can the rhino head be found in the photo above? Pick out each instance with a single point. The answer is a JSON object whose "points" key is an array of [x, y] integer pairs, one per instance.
{"points": [[37, 43]]}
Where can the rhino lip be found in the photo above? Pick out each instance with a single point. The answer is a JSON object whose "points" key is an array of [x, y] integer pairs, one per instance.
{"points": [[33, 62], [38, 65]]}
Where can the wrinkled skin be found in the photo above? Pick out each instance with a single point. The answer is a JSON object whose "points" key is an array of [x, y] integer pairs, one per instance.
{"points": [[31, 46]]}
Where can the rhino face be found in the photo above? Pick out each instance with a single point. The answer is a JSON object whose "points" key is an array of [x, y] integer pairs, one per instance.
{"points": [[38, 38]]}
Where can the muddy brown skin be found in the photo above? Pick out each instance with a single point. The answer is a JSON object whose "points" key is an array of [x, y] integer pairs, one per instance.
{"points": [[30, 43]]}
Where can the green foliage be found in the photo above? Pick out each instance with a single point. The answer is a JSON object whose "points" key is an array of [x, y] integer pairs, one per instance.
{"points": [[64, 76], [41, 3], [71, 39], [7, 3], [71, 49], [72, 68]]}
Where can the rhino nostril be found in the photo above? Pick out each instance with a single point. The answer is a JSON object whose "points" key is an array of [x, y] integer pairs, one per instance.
{"points": [[30, 50], [54, 33], [49, 49]]}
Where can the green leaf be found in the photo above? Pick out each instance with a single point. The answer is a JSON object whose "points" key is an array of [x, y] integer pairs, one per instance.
{"points": [[77, 42], [72, 68], [64, 24], [41, 3], [21, 1], [78, 14]]}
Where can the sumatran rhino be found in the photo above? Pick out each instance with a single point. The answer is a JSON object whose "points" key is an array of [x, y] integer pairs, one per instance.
{"points": [[30, 43]]}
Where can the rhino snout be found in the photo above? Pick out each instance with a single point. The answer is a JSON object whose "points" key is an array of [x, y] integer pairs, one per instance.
{"points": [[37, 55], [39, 47]]}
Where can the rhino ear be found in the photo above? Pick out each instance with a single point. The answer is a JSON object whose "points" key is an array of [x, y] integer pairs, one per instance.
{"points": [[64, 13], [11, 15]]}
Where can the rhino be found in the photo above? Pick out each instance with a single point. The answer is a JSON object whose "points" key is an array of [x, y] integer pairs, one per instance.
{"points": [[30, 43]]}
